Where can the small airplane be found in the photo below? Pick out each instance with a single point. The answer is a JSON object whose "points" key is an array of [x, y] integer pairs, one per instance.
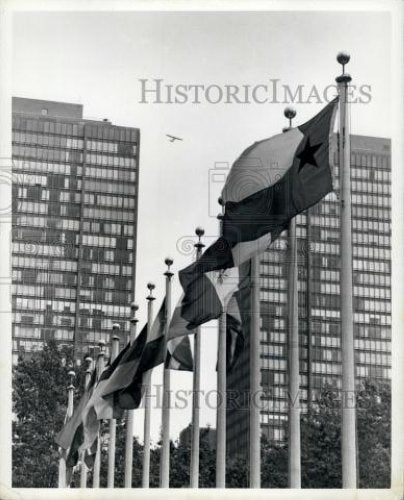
{"points": [[173, 138]]}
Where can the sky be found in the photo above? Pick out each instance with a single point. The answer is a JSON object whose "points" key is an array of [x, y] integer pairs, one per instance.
{"points": [[98, 60]]}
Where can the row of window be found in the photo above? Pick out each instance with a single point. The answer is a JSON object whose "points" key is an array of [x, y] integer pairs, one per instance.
{"points": [[27, 332], [106, 282], [372, 279], [48, 167], [38, 304], [41, 249], [58, 141], [50, 155], [97, 267], [109, 214], [373, 371], [371, 266], [372, 358], [106, 296], [371, 252], [39, 291], [47, 126], [371, 239], [371, 174], [57, 265], [370, 200], [111, 147], [371, 213], [378, 227], [321, 367], [31, 179], [97, 241], [372, 319], [108, 161], [109, 187], [108, 228], [376, 293], [373, 305], [372, 345], [370, 187], [103, 200], [112, 174], [44, 222]]}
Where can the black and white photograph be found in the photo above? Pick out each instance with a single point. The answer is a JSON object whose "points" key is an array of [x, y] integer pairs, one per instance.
{"points": [[201, 269]]}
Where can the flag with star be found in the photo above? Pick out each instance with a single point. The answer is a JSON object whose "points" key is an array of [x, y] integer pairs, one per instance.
{"points": [[270, 183]]}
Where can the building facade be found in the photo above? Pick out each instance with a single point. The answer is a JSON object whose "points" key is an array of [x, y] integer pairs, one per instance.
{"points": [[75, 191], [319, 294]]}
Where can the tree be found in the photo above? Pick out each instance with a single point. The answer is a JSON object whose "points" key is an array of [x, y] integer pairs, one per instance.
{"points": [[374, 435], [39, 407], [321, 439]]}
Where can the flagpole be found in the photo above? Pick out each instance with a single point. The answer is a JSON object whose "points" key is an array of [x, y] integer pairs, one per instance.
{"points": [[165, 416], [62, 481], [83, 469], [255, 373], [294, 461], [348, 433], [221, 390], [97, 459], [112, 422], [196, 387], [130, 413], [147, 390]]}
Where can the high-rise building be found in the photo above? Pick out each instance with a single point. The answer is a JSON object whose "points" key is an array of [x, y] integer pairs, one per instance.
{"points": [[319, 294], [75, 190]]}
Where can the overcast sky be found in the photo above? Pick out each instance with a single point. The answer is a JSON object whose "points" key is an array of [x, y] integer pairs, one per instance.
{"points": [[97, 59]]}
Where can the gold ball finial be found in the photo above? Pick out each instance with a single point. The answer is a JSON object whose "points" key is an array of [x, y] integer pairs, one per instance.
{"points": [[134, 307], [289, 112], [199, 231], [168, 261], [151, 286], [343, 57]]}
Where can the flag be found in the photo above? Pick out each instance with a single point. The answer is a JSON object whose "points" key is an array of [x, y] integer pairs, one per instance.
{"points": [[179, 355], [66, 436], [203, 301], [270, 183], [127, 381], [98, 408], [238, 318]]}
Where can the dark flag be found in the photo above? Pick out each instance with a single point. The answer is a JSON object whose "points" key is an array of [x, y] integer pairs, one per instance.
{"points": [[273, 181]]}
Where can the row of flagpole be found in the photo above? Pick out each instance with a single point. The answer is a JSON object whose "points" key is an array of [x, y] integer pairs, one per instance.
{"points": [[348, 434]]}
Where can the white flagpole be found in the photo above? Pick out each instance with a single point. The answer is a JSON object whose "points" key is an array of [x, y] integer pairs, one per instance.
{"points": [[130, 413], [147, 391], [255, 383], [97, 459], [83, 470], [196, 388], [294, 462], [62, 481], [221, 391], [348, 435], [165, 416], [112, 422]]}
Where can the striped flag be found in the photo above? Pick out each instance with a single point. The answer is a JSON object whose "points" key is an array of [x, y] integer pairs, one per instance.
{"points": [[127, 380], [271, 182], [70, 437], [98, 409]]}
